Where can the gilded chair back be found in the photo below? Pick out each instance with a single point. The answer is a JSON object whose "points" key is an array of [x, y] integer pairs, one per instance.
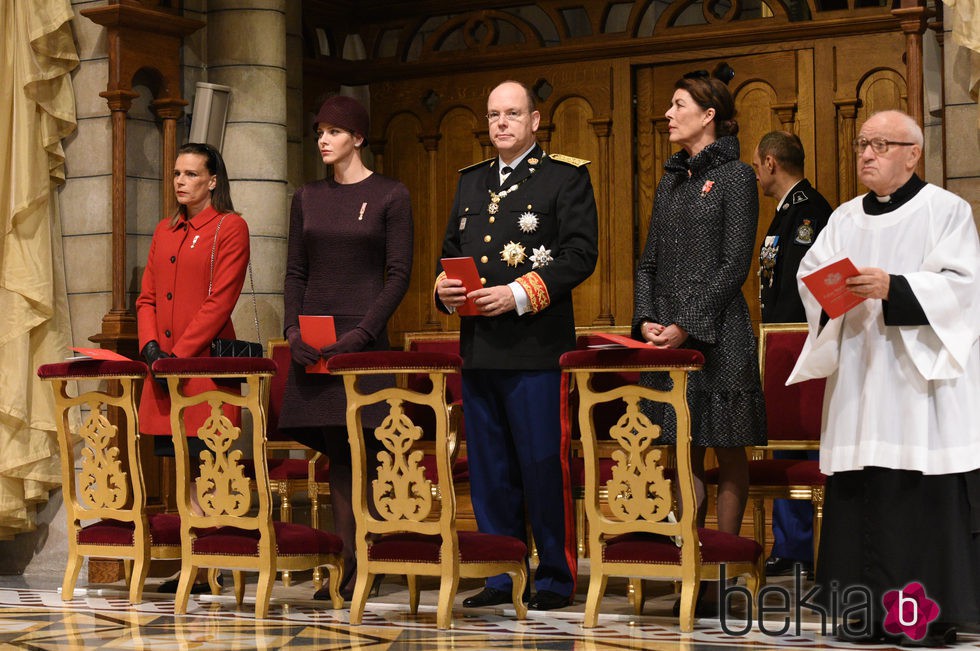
{"points": [[634, 530], [235, 529], [406, 517], [102, 477], [794, 412]]}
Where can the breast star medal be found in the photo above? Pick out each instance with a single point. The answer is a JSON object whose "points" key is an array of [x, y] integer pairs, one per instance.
{"points": [[513, 254], [528, 222], [541, 257]]}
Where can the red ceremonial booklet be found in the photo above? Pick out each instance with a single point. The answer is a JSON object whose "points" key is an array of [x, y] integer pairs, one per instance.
{"points": [[828, 287], [616, 341], [98, 353], [317, 331], [464, 269]]}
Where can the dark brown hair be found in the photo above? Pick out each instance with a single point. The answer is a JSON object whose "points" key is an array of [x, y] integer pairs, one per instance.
{"points": [[786, 148], [221, 195], [711, 91]]}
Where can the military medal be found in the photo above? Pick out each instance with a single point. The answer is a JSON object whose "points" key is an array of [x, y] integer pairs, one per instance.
{"points": [[528, 222], [513, 254], [541, 257], [767, 259]]}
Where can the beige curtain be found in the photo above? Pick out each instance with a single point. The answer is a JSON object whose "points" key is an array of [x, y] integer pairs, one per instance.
{"points": [[37, 110], [963, 17]]}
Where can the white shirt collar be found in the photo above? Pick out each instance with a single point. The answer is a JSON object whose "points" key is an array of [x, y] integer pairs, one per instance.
{"points": [[513, 164]]}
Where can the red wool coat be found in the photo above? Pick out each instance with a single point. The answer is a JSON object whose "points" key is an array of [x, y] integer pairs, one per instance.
{"points": [[175, 309]]}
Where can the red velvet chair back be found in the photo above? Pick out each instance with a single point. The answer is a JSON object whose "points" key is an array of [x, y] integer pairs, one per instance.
{"points": [[792, 412], [279, 352]]}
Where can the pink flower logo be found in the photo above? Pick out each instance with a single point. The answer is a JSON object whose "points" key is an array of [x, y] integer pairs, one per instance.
{"points": [[909, 611], [706, 188]]}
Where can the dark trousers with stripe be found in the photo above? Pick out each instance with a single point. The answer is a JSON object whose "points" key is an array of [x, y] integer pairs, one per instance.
{"points": [[518, 460]]}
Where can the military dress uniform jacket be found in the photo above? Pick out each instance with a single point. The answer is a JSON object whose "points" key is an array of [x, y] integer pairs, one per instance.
{"points": [[794, 228], [174, 306], [543, 234]]}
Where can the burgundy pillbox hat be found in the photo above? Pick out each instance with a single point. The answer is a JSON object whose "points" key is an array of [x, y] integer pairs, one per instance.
{"points": [[346, 113]]}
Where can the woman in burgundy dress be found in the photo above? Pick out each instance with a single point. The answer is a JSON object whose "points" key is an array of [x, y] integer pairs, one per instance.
{"points": [[350, 257]]}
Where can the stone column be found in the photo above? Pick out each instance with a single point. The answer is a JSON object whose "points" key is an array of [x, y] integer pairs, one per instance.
{"points": [[246, 50]]}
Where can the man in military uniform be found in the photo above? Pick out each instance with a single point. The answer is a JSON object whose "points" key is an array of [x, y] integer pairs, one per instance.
{"points": [[528, 219], [800, 216]]}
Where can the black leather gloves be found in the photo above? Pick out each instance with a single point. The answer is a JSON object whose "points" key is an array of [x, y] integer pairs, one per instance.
{"points": [[151, 352]]}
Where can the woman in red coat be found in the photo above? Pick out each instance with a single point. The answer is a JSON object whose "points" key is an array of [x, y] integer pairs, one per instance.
{"points": [[194, 274]]}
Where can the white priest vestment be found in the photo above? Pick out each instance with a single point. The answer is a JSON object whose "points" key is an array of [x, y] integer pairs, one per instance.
{"points": [[901, 397]]}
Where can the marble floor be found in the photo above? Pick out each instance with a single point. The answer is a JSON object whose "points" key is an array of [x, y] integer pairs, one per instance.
{"points": [[34, 616]]}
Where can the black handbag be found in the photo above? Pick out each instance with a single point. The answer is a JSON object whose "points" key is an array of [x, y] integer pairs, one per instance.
{"points": [[234, 347]]}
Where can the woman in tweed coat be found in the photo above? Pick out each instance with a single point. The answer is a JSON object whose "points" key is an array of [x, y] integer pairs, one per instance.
{"points": [[688, 285]]}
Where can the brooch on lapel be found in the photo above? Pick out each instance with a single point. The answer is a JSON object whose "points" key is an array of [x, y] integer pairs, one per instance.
{"points": [[706, 188]]}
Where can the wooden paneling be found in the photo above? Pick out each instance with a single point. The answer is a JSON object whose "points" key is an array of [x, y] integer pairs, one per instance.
{"points": [[602, 98]]}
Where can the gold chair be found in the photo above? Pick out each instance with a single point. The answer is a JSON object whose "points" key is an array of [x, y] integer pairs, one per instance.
{"points": [[289, 475], [107, 487], [233, 532], [642, 537], [793, 420], [413, 532], [445, 343]]}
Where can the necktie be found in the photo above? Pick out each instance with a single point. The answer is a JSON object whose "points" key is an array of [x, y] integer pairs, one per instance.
{"points": [[504, 173]]}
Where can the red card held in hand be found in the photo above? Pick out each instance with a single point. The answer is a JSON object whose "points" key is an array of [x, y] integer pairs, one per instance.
{"points": [[464, 269], [319, 332], [827, 285]]}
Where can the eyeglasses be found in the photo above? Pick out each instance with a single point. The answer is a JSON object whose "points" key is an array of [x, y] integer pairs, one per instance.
{"points": [[509, 116], [878, 145]]}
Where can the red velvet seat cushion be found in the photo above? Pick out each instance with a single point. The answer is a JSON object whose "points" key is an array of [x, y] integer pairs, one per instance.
{"points": [[288, 469], [632, 358], [577, 471], [716, 547], [461, 469], [779, 472], [393, 359], [92, 368], [164, 530], [474, 547], [214, 365], [291, 540]]}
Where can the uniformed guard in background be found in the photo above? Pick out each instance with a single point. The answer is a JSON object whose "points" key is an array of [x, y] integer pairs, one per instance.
{"points": [[801, 214], [528, 219]]}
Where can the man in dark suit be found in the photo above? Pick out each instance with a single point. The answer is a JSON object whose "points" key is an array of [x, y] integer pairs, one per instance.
{"points": [[800, 216], [528, 219]]}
